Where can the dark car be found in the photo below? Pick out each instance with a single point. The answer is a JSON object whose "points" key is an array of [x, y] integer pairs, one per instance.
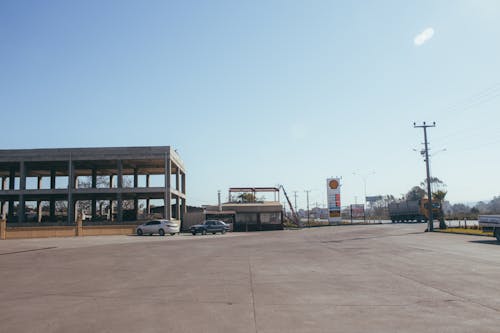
{"points": [[212, 226]]}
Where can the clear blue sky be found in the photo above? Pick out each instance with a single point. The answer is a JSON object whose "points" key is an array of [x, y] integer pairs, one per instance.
{"points": [[259, 93]]}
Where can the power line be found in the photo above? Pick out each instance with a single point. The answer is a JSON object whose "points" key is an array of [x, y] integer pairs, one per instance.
{"points": [[480, 98]]}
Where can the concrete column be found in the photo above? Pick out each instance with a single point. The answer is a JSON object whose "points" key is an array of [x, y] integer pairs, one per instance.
{"points": [[177, 179], [4, 211], [119, 201], [21, 208], [178, 208], [120, 174], [110, 210], [52, 179], [52, 205], [2, 202], [39, 211], [167, 207], [39, 202], [2, 208], [119, 208], [93, 210], [136, 208], [136, 201], [22, 175], [94, 177], [183, 209], [148, 205], [183, 190], [111, 201], [136, 178], [71, 185], [12, 179]]}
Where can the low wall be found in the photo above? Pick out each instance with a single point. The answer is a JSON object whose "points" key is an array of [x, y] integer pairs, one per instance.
{"points": [[39, 232], [65, 231], [107, 230]]}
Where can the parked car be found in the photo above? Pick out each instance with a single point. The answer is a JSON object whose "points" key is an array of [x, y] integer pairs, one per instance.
{"points": [[212, 226], [160, 227]]}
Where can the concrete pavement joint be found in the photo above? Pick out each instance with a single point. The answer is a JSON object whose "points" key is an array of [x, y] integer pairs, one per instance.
{"points": [[459, 298], [252, 292], [31, 250]]}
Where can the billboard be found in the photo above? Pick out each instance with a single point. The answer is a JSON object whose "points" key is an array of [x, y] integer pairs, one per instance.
{"points": [[333, 197]]}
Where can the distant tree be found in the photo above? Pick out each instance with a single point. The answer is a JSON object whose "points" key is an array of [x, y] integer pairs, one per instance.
{"points": [[436, 184], [246, 197], [494, 205], [459, 208], [474, 212], [379, 207], [416, 193]]}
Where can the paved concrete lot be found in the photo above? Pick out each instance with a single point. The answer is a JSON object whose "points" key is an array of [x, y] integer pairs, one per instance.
{"points": [[378, 278]]}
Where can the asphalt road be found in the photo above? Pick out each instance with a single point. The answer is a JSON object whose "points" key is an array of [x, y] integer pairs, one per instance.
{"points": [[373, 278]]}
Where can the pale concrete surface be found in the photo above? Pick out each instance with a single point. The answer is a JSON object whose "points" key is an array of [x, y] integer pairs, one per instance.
{"points": [[378, 278]]}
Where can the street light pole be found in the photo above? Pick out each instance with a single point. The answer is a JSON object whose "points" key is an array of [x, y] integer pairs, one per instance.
{"points": [[307, 193], [364, 177]]}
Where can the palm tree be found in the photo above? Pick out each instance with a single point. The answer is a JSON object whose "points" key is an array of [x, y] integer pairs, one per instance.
{"points": [[439, 195]]}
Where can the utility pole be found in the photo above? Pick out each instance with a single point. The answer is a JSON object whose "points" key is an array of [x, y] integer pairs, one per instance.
{"points": [[430, 226], [307, 193], [364, 177], [295, 196]]}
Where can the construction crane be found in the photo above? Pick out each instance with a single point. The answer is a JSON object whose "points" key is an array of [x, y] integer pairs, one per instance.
{"points": [[296, 218]]}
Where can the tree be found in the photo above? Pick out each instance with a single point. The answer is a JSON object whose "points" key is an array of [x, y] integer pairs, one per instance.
{"points": [[436, 184], [247, 197], [379, 207], [416, 193], [420, 192], [475, 212], [439, 195], [459, 211], [494, 205]]}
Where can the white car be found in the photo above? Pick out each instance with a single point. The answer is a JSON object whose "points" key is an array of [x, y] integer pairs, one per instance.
{"points": [[160, 227]]}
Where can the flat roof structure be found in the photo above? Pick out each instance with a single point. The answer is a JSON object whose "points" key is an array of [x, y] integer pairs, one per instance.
{"points": [[108, 166]]}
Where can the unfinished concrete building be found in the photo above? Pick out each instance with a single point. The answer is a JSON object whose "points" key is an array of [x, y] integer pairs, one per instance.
{"points": [[98, 184]]}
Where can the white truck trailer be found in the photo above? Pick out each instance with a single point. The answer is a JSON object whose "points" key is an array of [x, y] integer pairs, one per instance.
{"points": [[490, 222]]}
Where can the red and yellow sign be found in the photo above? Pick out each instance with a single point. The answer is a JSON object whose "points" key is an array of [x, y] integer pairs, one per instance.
{"points": [[333, 196], [334, 184]]}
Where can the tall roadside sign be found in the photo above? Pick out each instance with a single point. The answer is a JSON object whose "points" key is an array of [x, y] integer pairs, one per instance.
{"points": [[333, 195]]}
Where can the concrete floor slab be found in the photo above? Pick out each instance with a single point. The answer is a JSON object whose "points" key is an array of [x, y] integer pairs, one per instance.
{"points": [[375, 278]]}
